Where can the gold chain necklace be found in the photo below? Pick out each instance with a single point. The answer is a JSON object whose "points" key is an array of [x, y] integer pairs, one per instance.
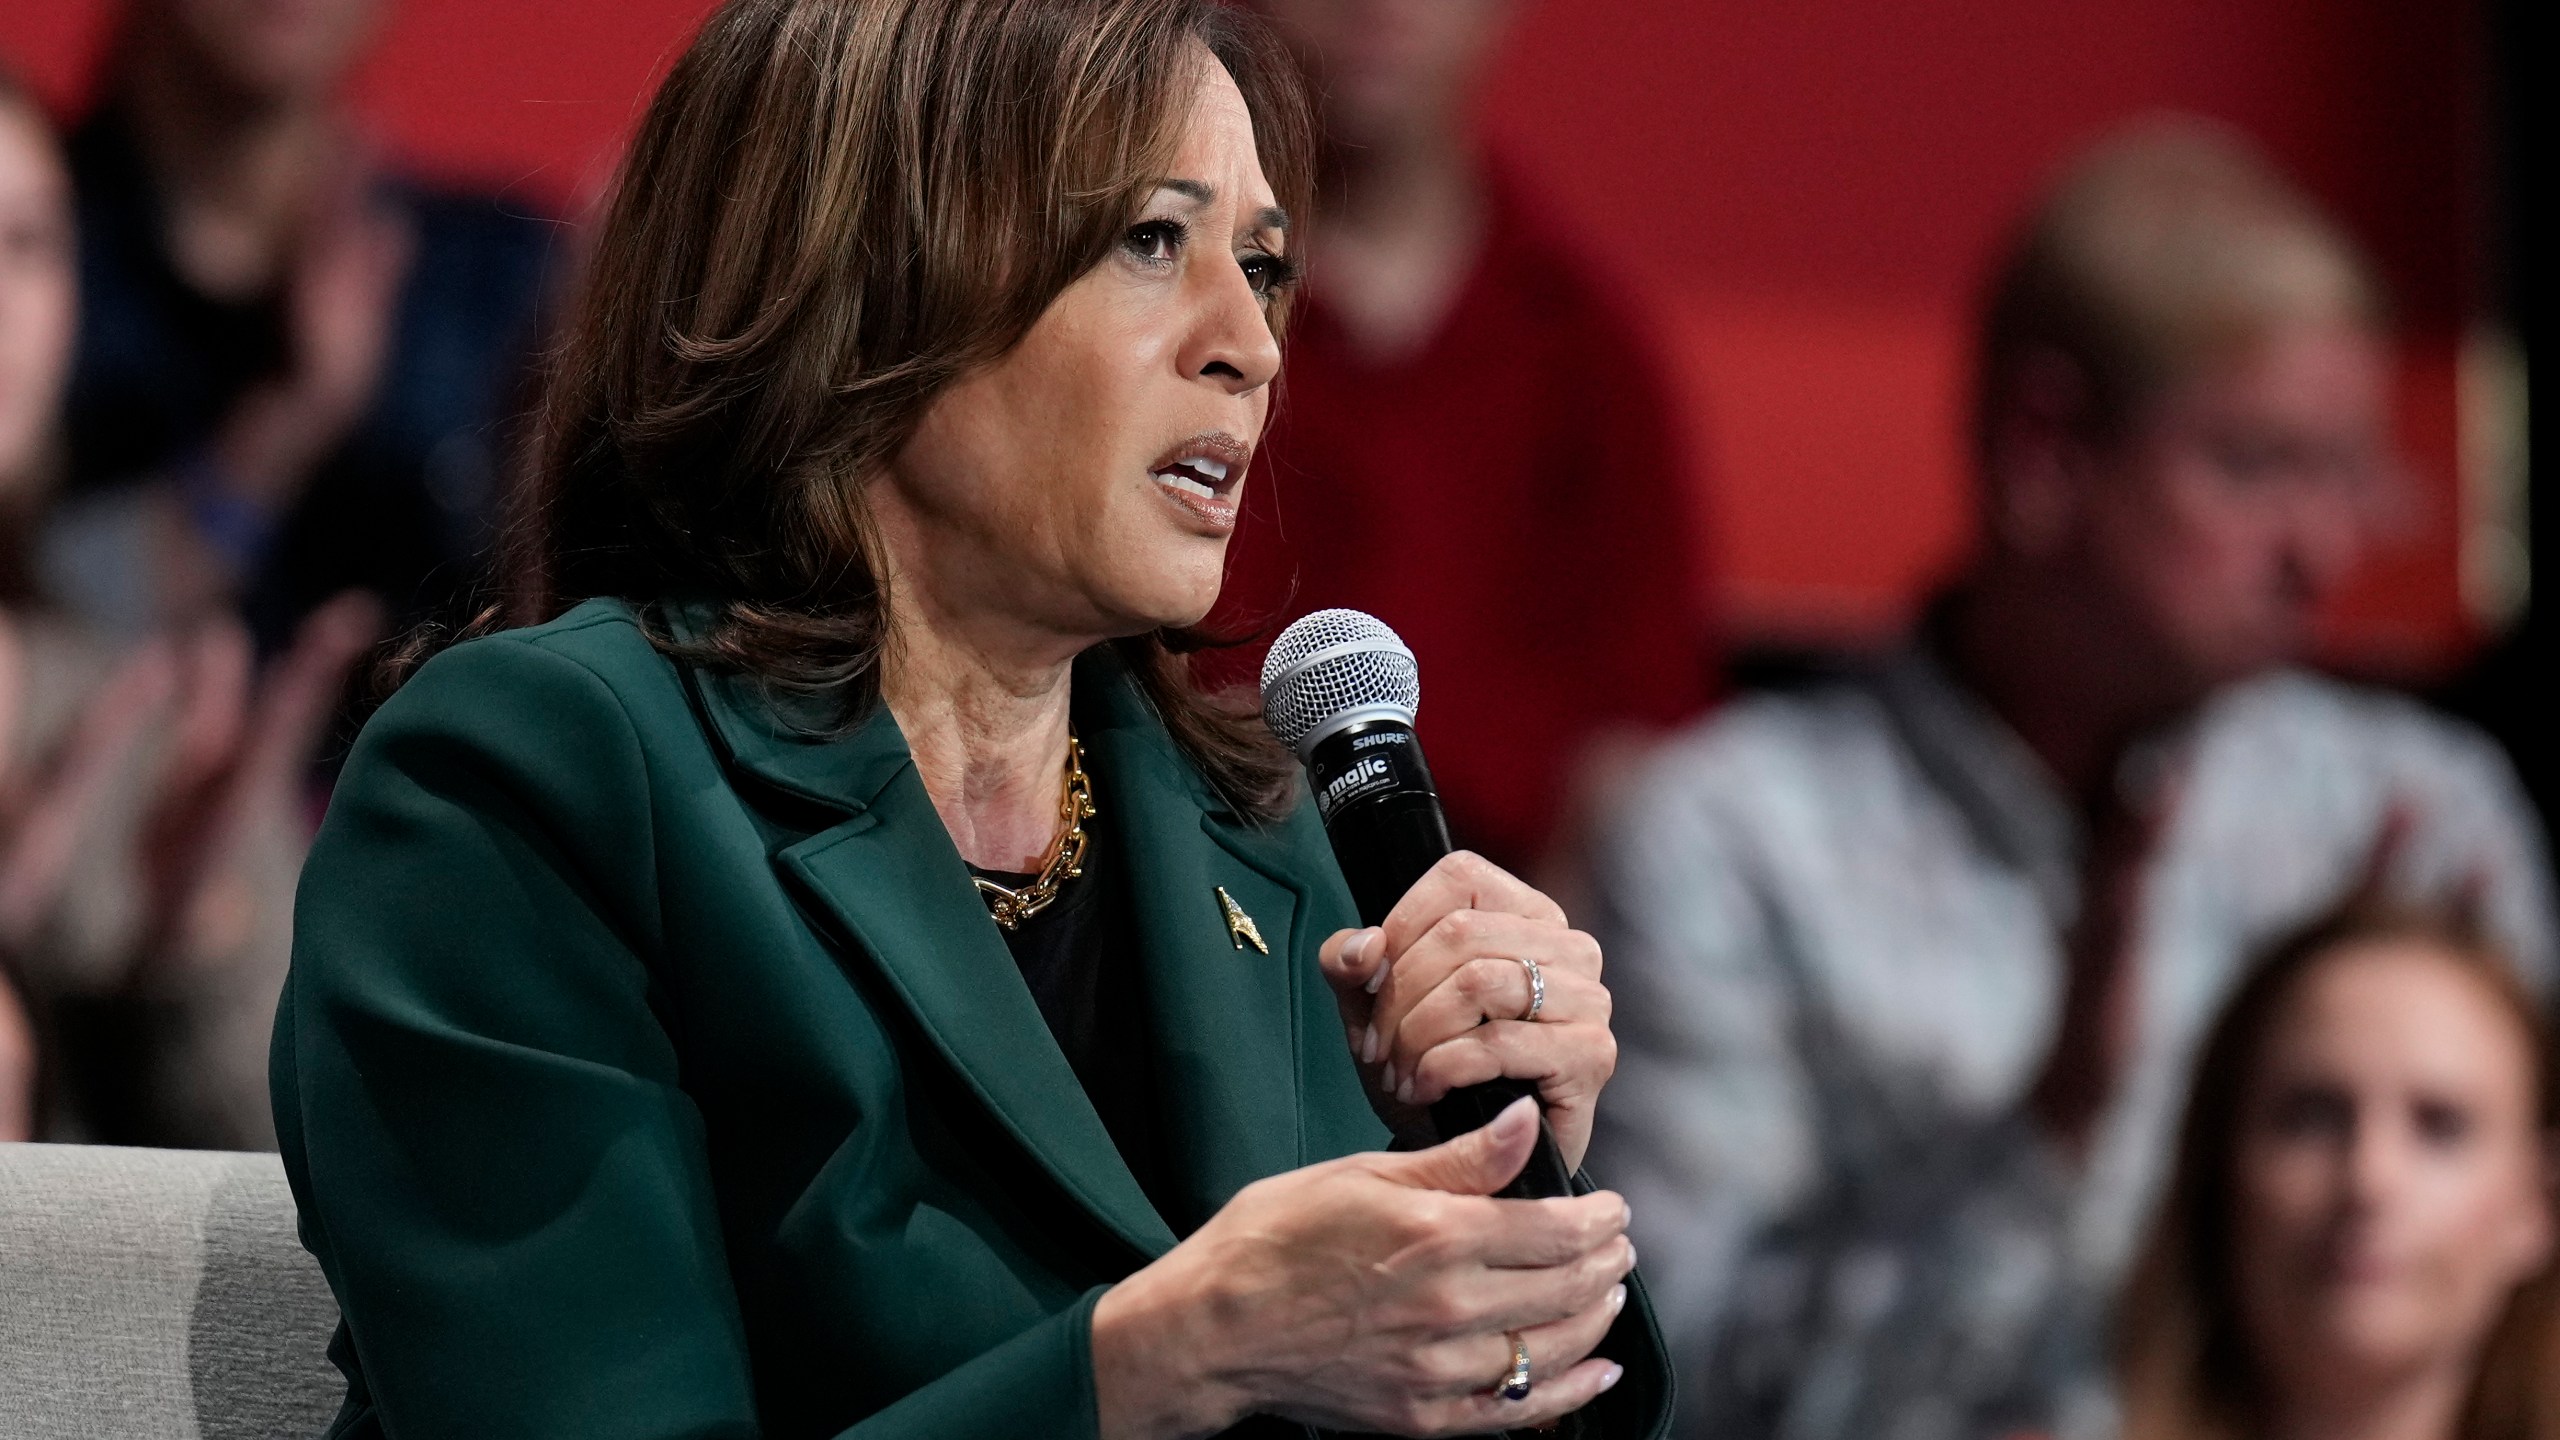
{"points": [[1066, 854]]}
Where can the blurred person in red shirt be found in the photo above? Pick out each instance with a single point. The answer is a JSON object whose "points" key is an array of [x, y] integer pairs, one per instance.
{"points": [[1474, 442], [2358, 1239], [152, 804]]}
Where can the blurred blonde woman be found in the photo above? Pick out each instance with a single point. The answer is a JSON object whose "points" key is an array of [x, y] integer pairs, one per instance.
{"points": [[2358, 1243]]}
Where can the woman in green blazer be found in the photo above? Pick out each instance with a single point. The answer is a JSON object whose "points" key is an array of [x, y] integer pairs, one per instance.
{"points": [[825, 971]]}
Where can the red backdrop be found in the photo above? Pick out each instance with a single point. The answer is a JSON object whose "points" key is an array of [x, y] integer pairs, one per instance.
{"points": [[1805, 194]]}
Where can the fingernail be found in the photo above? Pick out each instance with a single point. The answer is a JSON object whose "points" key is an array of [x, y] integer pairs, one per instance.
{"points": [[1387, 1079], [1617, 1298], [1631, 1254], [1369, 1045], [1614, 1374], [1404, 1092], [1373, 944]]}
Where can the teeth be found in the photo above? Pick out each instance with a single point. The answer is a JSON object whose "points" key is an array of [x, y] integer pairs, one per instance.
{"points": [[1216, 470], [1184, 483]]}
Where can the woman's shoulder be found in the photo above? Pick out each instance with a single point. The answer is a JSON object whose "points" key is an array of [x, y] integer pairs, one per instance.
{"points": [[575, 731], [582, 690], [598, 644], [603, 634]]}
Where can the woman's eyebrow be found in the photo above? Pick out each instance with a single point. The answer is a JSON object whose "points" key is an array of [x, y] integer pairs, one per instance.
{"points": [[1201, 192]]}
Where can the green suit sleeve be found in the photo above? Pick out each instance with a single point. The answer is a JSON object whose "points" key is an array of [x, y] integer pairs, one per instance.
{"points": [[478, 1095]]}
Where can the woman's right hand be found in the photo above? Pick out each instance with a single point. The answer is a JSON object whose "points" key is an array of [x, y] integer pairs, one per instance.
{"points": [[1371, 1293]]}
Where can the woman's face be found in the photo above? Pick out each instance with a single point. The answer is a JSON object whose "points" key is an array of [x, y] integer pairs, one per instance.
{"points": [[2390, 1178], [1085, 484], [39, 293]]}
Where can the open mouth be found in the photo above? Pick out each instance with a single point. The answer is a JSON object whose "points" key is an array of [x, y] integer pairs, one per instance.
{"points": [[1204, 477], [1202, 474]]}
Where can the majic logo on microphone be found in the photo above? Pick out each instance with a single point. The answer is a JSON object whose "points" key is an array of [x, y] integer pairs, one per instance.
{"points": [[1372, 772]]}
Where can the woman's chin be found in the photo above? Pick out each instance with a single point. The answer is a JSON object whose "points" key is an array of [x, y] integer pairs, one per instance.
{"points": [[1181, 615], [1128, 615], [2369, 1341], [1177, 585]]}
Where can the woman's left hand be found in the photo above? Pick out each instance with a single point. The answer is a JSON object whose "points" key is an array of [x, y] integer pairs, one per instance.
{"points": [[1439, 997]]}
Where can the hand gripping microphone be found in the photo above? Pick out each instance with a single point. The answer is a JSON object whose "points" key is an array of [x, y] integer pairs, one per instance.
{"points": [[1340, 689]]}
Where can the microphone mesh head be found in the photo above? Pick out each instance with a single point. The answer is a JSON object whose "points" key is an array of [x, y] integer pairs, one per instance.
{"points": [[1332, 667]]}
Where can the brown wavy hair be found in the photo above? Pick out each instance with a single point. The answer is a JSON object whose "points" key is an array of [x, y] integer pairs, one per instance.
{"points": [[2182, 1357], [832, 209]]}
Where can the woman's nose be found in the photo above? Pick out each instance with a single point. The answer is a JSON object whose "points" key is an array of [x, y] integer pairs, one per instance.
{"points": [[1232, 343], [2377, 1157]]}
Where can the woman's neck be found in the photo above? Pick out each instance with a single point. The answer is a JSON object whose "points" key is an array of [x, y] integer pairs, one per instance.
{"points": [[2423, 1405], [987, 725]]}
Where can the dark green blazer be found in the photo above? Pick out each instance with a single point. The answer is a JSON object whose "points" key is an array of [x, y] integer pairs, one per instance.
{"points": [[649, 1068]]}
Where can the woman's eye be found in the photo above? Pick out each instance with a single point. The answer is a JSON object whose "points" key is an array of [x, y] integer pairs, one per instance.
{"points": [[2440, 1122], [1268, 274], [1154, 241], [2313, 1113]]}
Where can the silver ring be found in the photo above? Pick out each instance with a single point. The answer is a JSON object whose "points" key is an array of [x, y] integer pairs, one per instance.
{"points": [[1515, 1382], [1537, 988]]}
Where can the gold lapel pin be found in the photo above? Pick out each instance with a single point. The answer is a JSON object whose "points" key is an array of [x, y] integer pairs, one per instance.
{"points": [[1240, 926]]}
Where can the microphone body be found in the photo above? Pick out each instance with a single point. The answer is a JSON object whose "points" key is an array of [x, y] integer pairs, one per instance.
{"points": [[1380, 810], [1383, 815]]}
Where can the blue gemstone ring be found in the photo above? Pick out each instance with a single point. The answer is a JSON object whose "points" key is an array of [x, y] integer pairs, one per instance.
{"points": [[1515, 1385]]}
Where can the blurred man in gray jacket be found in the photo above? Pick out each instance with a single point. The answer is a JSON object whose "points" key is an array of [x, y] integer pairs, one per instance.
{"points": [[1910, 960]]}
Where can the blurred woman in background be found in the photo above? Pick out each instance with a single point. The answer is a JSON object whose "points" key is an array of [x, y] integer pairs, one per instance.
{"points": [[36, 309], [2358, 1243]]}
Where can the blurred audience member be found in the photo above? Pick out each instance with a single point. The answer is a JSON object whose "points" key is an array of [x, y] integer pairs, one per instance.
{"points": [[151, 798], [1910, 960], [294, 367], [37, 310], [2357, 1240], [1472, 442]]}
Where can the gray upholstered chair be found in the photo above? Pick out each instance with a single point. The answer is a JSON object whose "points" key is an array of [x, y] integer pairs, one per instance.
{"points": [[151, 1293]]}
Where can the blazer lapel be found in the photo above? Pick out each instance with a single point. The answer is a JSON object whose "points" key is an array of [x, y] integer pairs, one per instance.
{"points": [[1224, 1013], [893, 883], [888, 880]]}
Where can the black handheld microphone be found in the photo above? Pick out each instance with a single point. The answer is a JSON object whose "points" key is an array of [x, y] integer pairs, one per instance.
{"points": [[1340, 689]]}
